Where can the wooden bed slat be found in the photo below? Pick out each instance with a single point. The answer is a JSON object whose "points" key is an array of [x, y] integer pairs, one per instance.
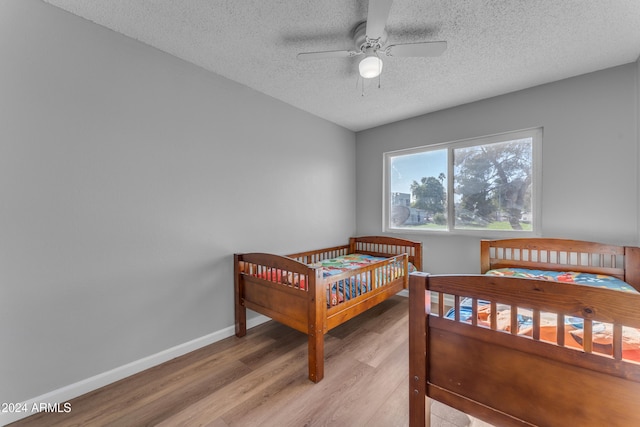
{"points": [[560, 329], [536, 325], [587, 338], [494, 315]]}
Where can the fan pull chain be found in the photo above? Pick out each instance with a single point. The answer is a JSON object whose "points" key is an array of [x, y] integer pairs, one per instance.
{"points": [[379, 70], [360, 80]]}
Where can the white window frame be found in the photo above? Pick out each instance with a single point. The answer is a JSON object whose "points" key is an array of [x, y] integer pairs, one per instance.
{"points": [[536, 152]]}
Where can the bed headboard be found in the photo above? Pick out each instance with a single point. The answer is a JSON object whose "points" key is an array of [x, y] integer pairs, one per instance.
{"points": [[385, 246], [622, 262]]}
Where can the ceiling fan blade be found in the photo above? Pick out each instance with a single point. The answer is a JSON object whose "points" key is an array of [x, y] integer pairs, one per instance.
{"points": [[310, 56], [416, 49], [377, 17]]}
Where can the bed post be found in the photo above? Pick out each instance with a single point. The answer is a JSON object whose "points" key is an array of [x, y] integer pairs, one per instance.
{"points": [[417, 257], [632, 266], [317, 317], [352, 245], [405, 266], [485, 256], [240, 309], [419, 306]]}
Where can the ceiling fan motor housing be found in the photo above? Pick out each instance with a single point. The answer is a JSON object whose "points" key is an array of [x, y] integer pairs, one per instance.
{"points": [[363, 43]]}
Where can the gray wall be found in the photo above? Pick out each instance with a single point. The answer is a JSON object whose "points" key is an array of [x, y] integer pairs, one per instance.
{"points": [[128, 178], [589, 159]]}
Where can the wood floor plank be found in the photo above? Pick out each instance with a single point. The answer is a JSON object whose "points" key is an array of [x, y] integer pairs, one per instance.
{"points": [[387, 318], [393, 411], [386, 342], [358, 410], [252, 384], [307, 403], [137, 391], [261, 380]]}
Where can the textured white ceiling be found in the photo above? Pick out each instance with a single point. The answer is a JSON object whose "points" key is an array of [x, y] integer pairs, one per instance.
{"points": [[494, 47]]}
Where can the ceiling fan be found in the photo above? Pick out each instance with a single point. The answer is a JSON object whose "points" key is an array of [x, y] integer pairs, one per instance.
{"points": [[370, 39]]}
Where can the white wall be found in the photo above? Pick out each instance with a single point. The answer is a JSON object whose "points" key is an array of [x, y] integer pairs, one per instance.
{"points": [[589, 159], [128, 178]]}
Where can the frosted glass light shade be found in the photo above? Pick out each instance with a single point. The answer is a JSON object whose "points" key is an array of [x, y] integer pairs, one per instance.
{"points": [[370, 66]]}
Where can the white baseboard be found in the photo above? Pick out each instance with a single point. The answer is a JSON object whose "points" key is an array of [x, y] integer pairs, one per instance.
{"points": [[54, 400]]}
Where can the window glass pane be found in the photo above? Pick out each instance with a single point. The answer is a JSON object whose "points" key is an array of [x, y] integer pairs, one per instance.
{"points": [[418, 185], [493, 186]]}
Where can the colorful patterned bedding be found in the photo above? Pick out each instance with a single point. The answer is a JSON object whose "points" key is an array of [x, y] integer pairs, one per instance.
{"points": [[345, 289], [597, 280], [602, 337]]}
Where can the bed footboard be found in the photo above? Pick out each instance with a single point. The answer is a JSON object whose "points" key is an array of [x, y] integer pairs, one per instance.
{"points": [[498, 375]]}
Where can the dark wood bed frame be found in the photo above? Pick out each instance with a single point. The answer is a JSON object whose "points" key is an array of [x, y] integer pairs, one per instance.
{"points": [[507, 379], [306, 309]]}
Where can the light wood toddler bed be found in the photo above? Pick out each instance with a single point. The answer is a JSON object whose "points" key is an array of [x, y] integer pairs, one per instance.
{"points": [[307, 292], [529, 351]]}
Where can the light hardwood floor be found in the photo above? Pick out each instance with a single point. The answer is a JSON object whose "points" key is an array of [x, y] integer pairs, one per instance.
{"points": [[261, 380]]}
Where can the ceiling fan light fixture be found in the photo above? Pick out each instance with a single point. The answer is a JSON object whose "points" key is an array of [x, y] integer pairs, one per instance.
{"points": [[370, 66]]}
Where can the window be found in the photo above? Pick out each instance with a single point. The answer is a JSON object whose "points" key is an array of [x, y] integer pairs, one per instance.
{"points": [[488, 184]]}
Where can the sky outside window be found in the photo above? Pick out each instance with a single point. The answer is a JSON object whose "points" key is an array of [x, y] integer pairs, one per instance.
{"points": [[413, 167]]}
